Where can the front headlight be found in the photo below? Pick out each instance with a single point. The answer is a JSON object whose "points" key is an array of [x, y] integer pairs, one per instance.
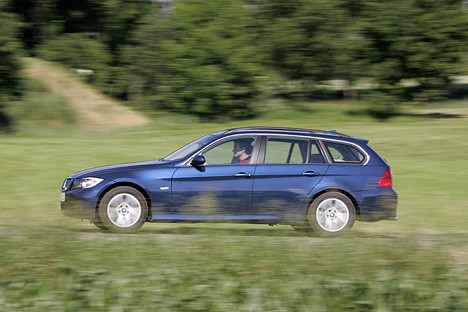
{"points": [[85, 183]]}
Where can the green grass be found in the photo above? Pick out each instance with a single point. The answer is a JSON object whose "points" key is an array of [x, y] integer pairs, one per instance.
{"points": [[53, 263], [40, 109]]}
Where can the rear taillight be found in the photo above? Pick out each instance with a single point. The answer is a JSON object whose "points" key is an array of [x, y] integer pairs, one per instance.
{"points": [[386, 180]]}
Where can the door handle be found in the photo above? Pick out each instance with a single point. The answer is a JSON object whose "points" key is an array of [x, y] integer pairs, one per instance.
{"points": [[243, 175], [311, 174]]}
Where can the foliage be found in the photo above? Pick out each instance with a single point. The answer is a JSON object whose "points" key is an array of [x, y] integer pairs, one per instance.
{"points": [[82, 34], [423, 41], [10, 78], [79, 52], [420, 41], [39, 108], [142, 61], [219, 289], [119, 19], [46, 19], [426, 44], [206, 59], [198, 60], [306, 40], [37, 17]]}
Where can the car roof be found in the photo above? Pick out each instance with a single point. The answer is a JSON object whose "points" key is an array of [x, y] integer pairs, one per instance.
{"points": [[332, 134]]}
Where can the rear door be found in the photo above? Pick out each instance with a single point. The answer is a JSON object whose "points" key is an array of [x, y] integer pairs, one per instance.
{"points": [[289, 168]]}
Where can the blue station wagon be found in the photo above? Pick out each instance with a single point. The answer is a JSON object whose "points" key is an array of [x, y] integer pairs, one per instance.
{"points": [[310, 179]]}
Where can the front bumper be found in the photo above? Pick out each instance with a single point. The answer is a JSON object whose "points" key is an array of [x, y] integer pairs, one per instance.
{"points": [[81, 203], [76, 206]]}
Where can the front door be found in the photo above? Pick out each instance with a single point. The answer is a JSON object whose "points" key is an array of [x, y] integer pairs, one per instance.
{"points": [[222, 186]]}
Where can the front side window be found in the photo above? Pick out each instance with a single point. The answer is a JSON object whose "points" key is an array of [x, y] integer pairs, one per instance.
{"points": [[344, 153], [286, 151], [236, 151]]}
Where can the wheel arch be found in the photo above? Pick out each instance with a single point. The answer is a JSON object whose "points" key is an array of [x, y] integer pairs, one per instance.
{"points": [[347, 194], [129, 184]]}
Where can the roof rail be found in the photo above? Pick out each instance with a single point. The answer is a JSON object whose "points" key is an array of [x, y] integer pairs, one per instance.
{"points": [[311, 131]]}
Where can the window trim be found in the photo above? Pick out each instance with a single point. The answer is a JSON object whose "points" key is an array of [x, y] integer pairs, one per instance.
{"points": [[259, 149], [321, 149], [330, 158]]}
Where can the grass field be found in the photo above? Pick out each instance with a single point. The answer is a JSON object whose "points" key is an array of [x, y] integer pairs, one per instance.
{"points": [[419, 263]]}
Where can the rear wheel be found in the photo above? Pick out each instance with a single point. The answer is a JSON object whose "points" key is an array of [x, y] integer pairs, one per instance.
{"points": [[100, 225], [123, 209], [331, 213]]}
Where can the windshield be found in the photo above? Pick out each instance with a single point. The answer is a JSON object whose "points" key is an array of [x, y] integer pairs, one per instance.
{"points": [[191, 148]]}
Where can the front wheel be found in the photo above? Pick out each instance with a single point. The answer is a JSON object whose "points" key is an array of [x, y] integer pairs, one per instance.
{"points": [[331, 213], [123, 210]]}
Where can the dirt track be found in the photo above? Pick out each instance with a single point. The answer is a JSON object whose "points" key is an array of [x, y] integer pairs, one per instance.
{"points": [[94, 110]]}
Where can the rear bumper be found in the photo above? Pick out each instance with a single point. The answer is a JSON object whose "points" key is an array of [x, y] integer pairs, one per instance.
{"points": [[378, 205]]}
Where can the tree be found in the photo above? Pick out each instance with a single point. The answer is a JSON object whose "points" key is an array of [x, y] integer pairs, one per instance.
{"points": [[204, 63], [10, 66], [77, 51], [421, 40], [308, 41], [142, 61], [37, 17]]}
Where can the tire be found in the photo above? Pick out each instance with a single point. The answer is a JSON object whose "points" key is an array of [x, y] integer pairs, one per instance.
{"points": [[100, 225], [122, 210], [331, 213], [301, 228]]}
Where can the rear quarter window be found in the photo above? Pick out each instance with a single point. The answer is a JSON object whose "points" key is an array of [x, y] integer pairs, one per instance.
{"points": [[344, 153]]}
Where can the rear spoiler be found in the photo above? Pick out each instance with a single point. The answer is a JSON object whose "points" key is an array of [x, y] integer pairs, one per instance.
{"points": [[362, 140]]}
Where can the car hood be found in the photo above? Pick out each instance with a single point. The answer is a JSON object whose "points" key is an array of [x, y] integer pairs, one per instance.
{"points": [[102, 171]]}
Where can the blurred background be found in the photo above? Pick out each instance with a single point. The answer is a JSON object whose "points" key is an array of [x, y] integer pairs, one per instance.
{"points": [[229, 59], [96, 82]]}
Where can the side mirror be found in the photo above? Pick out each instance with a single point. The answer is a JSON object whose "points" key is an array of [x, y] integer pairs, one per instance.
{"points": [[198, 160]]}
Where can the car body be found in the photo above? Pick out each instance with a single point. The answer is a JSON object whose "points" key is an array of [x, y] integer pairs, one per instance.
{"points": [[311, 179]]}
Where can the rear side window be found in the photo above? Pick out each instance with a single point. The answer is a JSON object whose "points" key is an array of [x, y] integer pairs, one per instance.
{"points": [[286, 151], [344, 153], [316, 156]]}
